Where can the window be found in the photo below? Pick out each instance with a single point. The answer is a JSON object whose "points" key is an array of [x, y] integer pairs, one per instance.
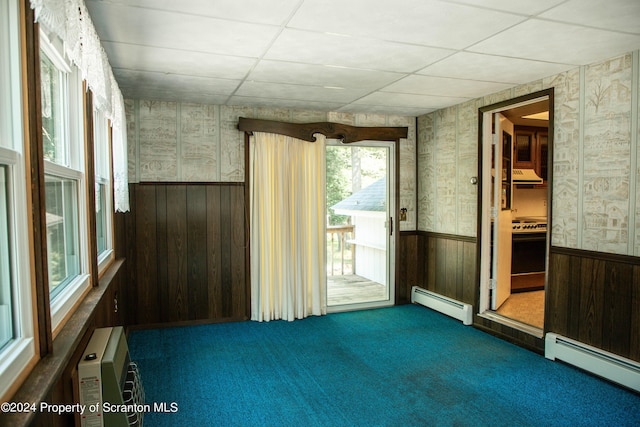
{"points": [[17, 345], [62, 232], [66, 213], [54, 99], [102, 160], [6, 304]]}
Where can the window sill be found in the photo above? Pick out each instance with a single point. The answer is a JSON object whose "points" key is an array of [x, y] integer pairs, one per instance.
{"points": [[104, 261], [49, 370], [63, 304]]}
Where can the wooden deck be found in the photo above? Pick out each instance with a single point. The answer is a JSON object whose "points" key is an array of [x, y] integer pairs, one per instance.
{"points": [[353, 289]]}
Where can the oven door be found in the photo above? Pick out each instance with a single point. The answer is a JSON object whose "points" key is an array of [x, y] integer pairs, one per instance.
{"points": [[528, 252]]}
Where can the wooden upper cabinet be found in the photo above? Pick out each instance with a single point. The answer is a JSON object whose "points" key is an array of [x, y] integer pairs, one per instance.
{"points": [[524, 149], [543, 150], [530, 148]]}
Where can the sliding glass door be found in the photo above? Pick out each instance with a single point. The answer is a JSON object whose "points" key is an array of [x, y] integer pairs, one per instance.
{"points": [[359, 225]]}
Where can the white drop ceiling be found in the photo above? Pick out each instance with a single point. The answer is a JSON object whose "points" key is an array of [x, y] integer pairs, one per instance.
{"points": [[406, 57]]}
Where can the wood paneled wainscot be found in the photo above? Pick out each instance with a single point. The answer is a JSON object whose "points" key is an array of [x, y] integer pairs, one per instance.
{"points": [[442, 263], [186, 246], [594, 298]]}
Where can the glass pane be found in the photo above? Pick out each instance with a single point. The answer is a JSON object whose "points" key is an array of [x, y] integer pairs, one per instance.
{"points": [[62, 232], [101, 219], [52, 111], [6, 314], [101, 161], [357, 202]]}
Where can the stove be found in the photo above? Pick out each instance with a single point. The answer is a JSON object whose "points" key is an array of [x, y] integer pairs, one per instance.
{"points": [[529, 225]]}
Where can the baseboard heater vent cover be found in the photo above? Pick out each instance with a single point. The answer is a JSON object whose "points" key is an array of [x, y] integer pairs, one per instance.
{"points": [[607, 365], [445, 305]]}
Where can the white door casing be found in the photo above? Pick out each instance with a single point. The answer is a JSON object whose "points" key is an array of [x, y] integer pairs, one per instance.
{"points": [[501, 268]]}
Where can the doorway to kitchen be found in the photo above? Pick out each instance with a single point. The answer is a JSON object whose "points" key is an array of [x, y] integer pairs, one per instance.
{"points": [[359, 225], [515, 211]]}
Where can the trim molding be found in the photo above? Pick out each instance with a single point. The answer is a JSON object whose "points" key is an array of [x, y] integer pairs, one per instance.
{"points": [[35, 179], [304, 131], [605, 256], [455, 237], [167, 183]]}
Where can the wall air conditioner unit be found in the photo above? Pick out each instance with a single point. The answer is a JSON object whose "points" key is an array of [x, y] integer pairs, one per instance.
{"points": [[445, 305], [109, 383], [607, 365]]}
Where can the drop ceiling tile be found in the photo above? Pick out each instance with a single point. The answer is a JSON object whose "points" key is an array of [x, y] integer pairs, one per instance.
{"points": [[177, 96], [444, 86], [321, 75], [298, 92], [524, 7], [259, 11], [556, 42], [615, 15], [385, 109], [407, 100], [204, 84], [128, 79], [285, 103], [144, 58], [466, 65], [428, 22], [355, 52], [181, 31]]}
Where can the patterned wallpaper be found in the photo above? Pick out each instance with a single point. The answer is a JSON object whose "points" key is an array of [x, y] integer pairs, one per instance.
{"points": [[595, 175], [182, 142]]}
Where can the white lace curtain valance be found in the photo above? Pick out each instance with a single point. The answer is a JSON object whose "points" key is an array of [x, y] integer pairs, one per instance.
{"points": [[70, 21]]}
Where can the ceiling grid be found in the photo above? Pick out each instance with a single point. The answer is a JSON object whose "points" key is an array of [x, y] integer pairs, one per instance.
{"points": [[406, 57]]}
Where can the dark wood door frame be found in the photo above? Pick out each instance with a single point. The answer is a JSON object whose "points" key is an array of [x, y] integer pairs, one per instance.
{"points": [[504, 105]]}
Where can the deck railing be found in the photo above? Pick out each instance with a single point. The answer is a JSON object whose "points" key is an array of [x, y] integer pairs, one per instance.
{"points": [[339, 250]]}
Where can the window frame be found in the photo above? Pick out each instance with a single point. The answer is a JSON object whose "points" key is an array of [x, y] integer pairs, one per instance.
{"points": [[65, 299], [20, 352], [103, 177], [7, 321]]}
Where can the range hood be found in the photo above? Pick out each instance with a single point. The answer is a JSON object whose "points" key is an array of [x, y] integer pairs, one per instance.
{"points": [[526, 176]]}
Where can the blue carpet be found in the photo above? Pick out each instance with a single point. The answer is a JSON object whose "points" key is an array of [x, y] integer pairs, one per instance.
{"points": [[399, 366]]}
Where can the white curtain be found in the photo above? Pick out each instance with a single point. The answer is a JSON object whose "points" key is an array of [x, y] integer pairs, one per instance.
{"points": [[288, 269]]}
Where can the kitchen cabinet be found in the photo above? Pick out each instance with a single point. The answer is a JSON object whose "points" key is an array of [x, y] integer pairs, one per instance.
{"points": [[543, 150], [530, 149]]}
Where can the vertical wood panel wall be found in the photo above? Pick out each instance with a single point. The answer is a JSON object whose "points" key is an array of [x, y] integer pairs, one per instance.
{"points": [[186, 253], [440, 263], [594, 298]]}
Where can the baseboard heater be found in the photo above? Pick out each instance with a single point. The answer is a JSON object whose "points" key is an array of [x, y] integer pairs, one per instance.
{"points": [[607, 365], [444, 305]]}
